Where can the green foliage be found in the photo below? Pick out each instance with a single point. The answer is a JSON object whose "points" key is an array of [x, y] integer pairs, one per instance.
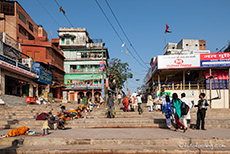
{"points": [[118, 73]]}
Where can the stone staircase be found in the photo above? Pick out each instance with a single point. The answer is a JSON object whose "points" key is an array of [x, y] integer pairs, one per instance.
{"points": [[11, 100], [128, 132]]}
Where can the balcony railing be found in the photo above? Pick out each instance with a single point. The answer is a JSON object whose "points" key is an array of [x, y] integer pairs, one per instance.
{"points": [[94, 45]]}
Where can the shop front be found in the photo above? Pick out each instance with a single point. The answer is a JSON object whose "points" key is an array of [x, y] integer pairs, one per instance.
{"points": [[44, 80], [192, 74]]}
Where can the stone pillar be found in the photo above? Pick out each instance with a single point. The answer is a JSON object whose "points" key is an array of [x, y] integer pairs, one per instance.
{"points": [[31, 90], [210, 84], [159, 82], [183, 79], [2, 83]]}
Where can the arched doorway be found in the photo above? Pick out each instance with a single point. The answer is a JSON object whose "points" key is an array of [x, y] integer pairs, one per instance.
{"points": [[89, 95], [97, 96]]}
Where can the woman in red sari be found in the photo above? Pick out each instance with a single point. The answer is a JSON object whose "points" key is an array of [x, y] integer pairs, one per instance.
{"points": [[125, 102]]}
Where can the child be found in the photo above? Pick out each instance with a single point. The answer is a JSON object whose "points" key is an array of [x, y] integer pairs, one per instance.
{"points": [[201, 112], [167, 109]]}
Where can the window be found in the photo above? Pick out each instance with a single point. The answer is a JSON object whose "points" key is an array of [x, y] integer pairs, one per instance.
{"points": [[29, 53], [22, 18], [30, 37], [204, 44], [196, 45], [36, 55], [73, 67], [72, 40], [7, 8], [173, 47], [22, 31], [67, 40], [186, 44], [31, 27], [82, 66], [62, 41]]}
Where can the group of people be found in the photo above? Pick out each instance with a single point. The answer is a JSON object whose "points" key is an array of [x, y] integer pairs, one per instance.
{"points": [[180, 109]]}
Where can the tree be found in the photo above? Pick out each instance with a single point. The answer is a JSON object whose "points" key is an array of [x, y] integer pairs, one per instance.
{"points": [[118, 73]]}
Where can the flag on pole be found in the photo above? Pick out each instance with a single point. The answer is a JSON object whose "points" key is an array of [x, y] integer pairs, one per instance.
{"points": [[127, 52], [167, 29], [123, 44]]}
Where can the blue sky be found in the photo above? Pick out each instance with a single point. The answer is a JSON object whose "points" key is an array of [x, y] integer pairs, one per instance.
{"points": [[143, 21]]}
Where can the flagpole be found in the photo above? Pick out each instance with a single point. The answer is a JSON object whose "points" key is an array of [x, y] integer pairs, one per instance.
{"points": [[165, 39]]}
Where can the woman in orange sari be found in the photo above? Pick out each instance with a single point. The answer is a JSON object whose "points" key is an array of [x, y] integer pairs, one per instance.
{"points": [[125, 102]]}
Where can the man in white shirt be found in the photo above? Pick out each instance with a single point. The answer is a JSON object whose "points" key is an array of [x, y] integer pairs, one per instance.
{"points": [[188, 102], [139, 102]]}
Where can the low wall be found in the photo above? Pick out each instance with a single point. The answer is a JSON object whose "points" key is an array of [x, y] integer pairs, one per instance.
{"points": [[193, 95]]}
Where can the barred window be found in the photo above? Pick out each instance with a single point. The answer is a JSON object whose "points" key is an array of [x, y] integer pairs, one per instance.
{"points": [[22, 18]]}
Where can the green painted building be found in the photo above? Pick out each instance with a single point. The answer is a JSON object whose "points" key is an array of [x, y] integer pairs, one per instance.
{"points": [[82, 59]]}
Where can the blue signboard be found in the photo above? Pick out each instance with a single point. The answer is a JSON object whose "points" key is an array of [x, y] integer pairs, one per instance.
{"points": [[103, 87], [45, 74]]}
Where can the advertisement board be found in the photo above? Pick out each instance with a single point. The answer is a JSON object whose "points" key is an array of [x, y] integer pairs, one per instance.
{"points": [[215, 60], [45, 74], [220, 81], [178, 61]]}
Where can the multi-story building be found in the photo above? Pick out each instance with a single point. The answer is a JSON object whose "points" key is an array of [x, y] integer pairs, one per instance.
{"points": [[18, 25], [186, 46], [44, 51], [15, 77], [15, 22], [83, 56]]}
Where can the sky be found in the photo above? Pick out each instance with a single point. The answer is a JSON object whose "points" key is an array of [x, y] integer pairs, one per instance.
{"points": [[142, 20]]}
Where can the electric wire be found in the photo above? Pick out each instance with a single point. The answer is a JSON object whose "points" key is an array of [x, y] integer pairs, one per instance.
{"points": [[117, 33], [124, 32], [48, 13], [64, 14]]}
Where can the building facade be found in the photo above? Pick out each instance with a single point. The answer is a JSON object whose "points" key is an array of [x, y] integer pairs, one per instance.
{"points": [[190, 72], [15, 21], [44, 51], [18, 25], [83, 57], [15, 77], [186, 46]]}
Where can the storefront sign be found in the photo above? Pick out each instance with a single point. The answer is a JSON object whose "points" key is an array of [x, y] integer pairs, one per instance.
{"points": [[85, 85], [102, 65], [17, 69], [45, 74], [103, 88], [30, 99], [220, 80], [215, 60], [178, 61]]}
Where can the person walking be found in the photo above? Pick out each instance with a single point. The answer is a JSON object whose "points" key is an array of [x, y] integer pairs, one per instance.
{"points": [[167, 109], [119, 98], [110, 105], [150, 103], [188, 102], [139, 102], [176, 102], [201, 112]]}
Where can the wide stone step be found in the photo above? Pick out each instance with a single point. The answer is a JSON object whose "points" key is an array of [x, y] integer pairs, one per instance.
{"points": [[89, 149], [117, 123], [57, 141]]}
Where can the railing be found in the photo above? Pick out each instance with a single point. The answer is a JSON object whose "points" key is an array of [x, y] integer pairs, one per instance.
{"points": [[180, 86], [93, 45]]}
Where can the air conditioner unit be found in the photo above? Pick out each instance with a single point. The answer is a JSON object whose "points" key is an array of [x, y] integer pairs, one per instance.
{"points": [[28, 62]]}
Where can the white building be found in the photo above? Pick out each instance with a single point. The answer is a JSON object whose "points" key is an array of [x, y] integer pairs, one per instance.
{"points": [[185, 47]]}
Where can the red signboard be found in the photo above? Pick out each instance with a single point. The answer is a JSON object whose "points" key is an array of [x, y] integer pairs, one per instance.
{"points": [[30, 99], [214, 56]]}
